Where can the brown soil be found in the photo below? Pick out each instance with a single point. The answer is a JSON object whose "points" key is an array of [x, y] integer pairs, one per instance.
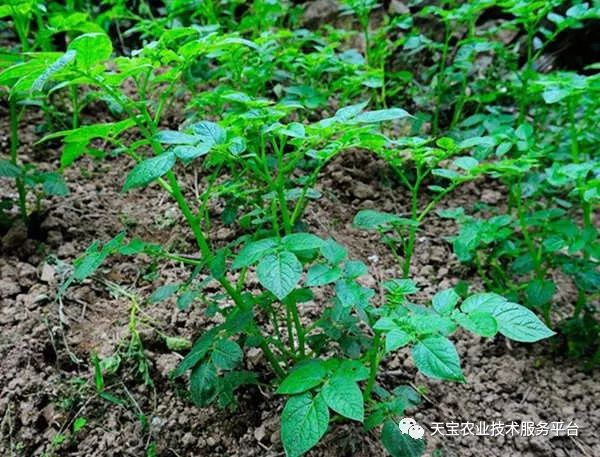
{"points": [[46, 378]]}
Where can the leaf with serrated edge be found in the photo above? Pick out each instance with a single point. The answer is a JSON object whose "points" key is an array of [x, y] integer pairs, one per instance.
{"points": [[303, 422], [279, 273], [344, 397], [436, 357]]}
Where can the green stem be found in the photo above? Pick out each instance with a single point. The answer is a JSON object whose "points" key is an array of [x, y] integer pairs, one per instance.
{"points": [[374, 361], [299, 328], [75, 103], [524, 97], [439, 88], [272, 359]]}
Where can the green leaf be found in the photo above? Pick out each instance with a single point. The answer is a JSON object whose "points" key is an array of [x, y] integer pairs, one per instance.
{"points": [[209, 132], [302, 242], [204, 384], [348, 292], [226, 354], [344, 397], [555, 94], [353, 370], [187, 153], [445, 301], [163, 292], [197, 353], [175, 137], [322, 274], [253, 252], [520, 324], [355, 268], [186, 299], [303, 422], [466, 162], [369, 219], [399, 444], [177, 343], [303, 378], [370, 117], [333, 251], [54, 184], [8, 169], [485, 302], [148, 170], [55, 67], [540, 292], [91, 48], [436, 357], [279, 273], [483, 324], [89, 264], [396, 338]]}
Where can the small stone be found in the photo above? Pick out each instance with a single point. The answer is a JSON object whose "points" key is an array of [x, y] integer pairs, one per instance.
{"points": [[275, 438], [211, 441], [67, 250], [254, 356], [362, 191], [397, 7], [490, 196], [9, 288], [47, 273], [259, 432]]}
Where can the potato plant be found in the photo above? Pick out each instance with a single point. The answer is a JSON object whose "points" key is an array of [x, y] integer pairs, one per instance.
{"points": [[258, 107]]}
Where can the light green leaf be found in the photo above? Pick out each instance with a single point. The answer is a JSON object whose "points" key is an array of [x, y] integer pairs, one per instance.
{"points": [[302, 242], [279, 273], [303, 422], [344, 397], [333, 251], [209, 132], [484, 302], [163, 292], [187, 153], [520, 324], [55, 67], [396, 338], [436, 357], [322, 274], [369, 219], [253, 252], [355, 268], [370, 117], [175, 137], [91, 48], [148, 170], [555, 94], [303, 378], [466, 162], [480, 323], [445, 301]]}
